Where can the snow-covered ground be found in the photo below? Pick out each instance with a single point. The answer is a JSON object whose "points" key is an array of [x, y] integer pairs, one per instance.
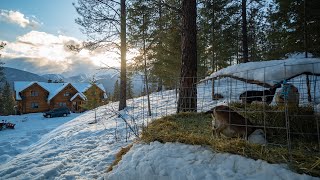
{"points": [[74, 148], [28, 130], [177, 161]]}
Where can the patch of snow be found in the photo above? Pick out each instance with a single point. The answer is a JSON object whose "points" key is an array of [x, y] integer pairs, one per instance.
{"points": [[28, 130], [173, 161]]}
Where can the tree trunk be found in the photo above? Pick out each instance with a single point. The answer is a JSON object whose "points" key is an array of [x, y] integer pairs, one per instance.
{"points": [[145, 64], [213, 37], [244, 31], [123, 78], [188, 89], [305, 35], [213, 45]]}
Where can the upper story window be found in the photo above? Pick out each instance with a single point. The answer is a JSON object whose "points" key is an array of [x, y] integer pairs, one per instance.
{"points": [[34, 93], [67, 93], [34, 105], [62, 104]]}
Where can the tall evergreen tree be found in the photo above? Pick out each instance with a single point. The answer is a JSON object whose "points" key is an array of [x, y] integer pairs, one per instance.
{"points": [[188, 89], [293, 28], [7, 100], [154, 30]]}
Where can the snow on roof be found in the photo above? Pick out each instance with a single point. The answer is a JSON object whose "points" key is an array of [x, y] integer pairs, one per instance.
{"points": [[271, 71], [82, 87], [52, 88], [54, 93], [22, 85], [81, 95], [101, 87]]}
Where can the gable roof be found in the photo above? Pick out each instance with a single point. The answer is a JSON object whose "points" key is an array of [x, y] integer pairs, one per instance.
{"points": [[82, 96], [52, 88], [53, 94], [83, 87], [20, 86]]}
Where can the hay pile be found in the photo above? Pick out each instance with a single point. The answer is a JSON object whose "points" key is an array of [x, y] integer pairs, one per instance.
{"points": [[195, 129]]}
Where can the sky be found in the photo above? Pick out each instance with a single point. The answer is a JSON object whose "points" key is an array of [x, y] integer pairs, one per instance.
{"points": [[37, 32]]}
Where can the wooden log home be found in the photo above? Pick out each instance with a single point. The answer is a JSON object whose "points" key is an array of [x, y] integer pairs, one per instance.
{"points": [[34, 97]]}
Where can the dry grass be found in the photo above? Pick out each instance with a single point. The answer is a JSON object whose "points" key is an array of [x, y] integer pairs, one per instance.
{"points": [[195, 129], [119, 156], [303, 122]]}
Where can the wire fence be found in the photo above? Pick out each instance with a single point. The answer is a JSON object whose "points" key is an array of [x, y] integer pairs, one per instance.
{"points": [[287, 110]]}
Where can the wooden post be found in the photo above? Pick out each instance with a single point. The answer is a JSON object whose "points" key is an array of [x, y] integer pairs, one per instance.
{"points": [[308, 88], [212, 94]]}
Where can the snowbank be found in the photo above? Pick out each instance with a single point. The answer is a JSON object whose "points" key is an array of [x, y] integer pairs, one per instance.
{"points": [[179, 161]]}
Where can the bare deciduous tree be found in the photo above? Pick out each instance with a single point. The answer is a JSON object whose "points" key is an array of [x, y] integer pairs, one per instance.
{"points": [[104, 23]]}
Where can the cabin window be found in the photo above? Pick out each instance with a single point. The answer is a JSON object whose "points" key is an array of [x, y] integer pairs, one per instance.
{"points": [[62, 104], [67, 93], [34, 93], [34, 105]]}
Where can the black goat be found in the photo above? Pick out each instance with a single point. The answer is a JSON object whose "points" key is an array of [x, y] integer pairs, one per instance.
{"points": [[264, 96]]}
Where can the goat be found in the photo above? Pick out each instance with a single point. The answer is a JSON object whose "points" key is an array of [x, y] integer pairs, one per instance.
{"points": [[264, 96], [289, 94], [229, 123]]}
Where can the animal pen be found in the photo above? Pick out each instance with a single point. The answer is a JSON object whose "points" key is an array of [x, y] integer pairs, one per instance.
{"points": [[283, 100], [291, 117]]}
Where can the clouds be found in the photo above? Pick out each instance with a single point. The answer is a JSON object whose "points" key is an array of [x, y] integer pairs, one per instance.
{"points": [[18, 18], [43, 53]]}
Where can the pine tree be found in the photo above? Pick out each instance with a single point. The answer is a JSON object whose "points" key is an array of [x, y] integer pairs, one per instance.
{"points": [[154, 30], [116, 91], [7, 98], [294, 27], [2, 78], [187, 89]]}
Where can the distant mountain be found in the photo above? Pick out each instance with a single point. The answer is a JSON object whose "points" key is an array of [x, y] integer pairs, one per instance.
{"points": [[12, 75], [79, 78], [54, 77]]}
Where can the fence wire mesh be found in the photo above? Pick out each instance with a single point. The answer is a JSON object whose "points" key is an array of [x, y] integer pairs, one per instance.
{"points": [[286, 109]]}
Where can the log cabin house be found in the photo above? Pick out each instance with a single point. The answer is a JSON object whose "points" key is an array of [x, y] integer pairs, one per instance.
{"points": [[32, 97]]}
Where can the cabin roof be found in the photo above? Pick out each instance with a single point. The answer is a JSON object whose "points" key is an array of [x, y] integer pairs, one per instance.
{"points": [[52, 88], [81, 95]]}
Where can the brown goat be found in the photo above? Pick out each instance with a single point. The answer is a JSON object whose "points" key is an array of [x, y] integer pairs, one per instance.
{"points": [[229, 123]]}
